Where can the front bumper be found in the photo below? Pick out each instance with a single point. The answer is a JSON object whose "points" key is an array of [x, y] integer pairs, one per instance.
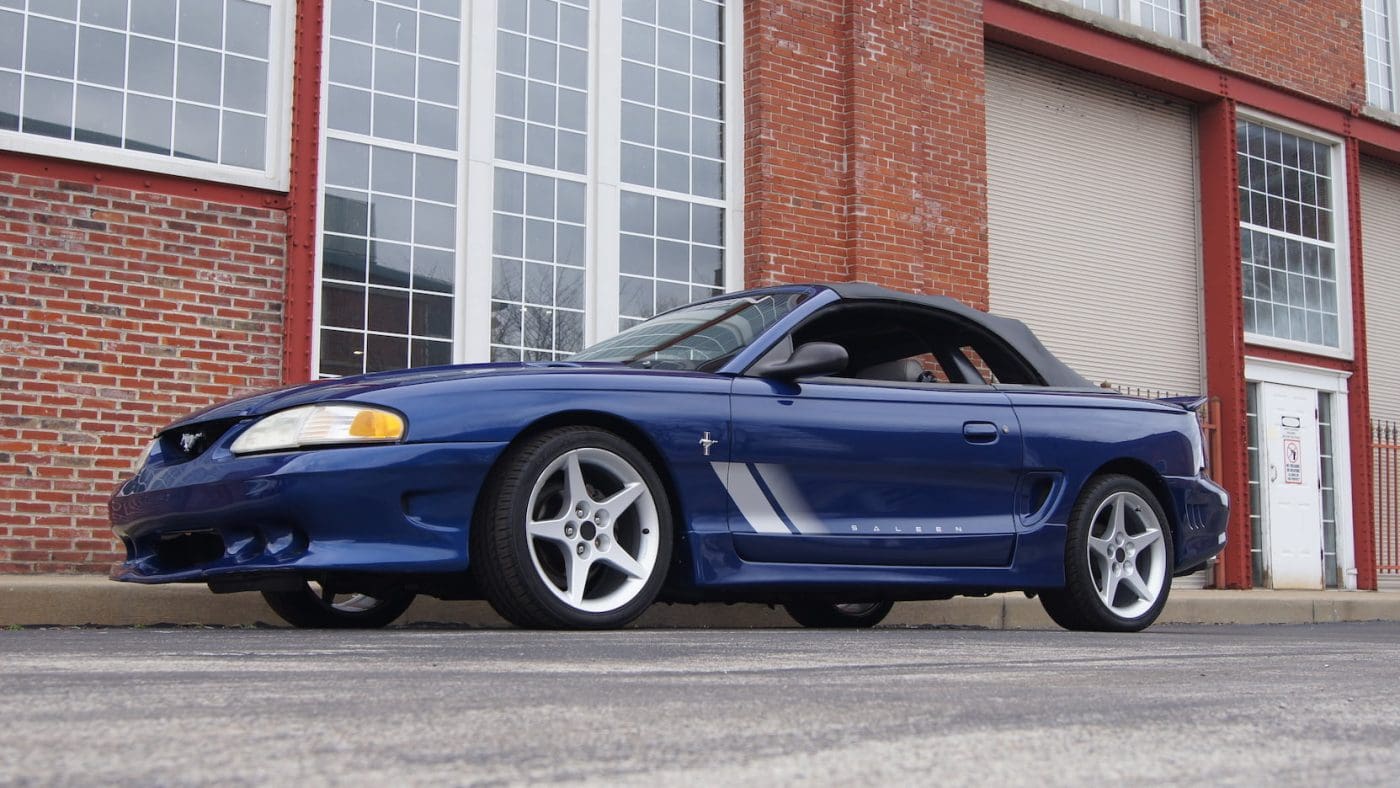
{"points": [[363, 509], [1203, 511]]}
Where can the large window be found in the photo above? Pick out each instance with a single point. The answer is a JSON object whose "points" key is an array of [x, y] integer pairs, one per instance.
{"points": [[1290, 223], [189, 87], [1174, 18], [389, 197], [579, 185], [1379, 22]]}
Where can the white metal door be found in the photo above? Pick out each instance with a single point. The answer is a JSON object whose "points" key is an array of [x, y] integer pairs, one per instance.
{"points": [[1293, 516]]}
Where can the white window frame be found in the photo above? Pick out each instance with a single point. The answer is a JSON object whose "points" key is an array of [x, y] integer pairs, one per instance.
{"points": [[1334, 382], [1341, 234], [1130, 11], [471, 332], [1393, 46], [276, 173]]}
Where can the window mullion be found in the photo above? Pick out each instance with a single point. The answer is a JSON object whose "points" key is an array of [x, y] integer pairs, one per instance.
{"points": [[477, 187], [605, 129], [1392, 45]]}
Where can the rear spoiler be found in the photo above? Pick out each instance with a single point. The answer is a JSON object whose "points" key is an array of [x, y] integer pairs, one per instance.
{"points": [[1192, 403]]}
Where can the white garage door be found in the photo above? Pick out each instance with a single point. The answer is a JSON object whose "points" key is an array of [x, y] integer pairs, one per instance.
{"points": [[1093, 221], [1380, 254]]}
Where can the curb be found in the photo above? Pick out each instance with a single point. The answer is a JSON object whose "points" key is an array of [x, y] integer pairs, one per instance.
{"points": [[76, 600]]}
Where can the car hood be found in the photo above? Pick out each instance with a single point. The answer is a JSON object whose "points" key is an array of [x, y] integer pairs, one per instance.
{"points": [[350, 387]]}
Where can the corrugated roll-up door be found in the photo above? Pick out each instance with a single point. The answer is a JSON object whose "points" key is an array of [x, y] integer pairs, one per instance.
{"points": [[1093, 221], [1380, 258]]}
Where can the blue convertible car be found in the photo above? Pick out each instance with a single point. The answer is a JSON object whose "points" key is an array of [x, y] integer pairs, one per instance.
{"points": [[832, 449]]}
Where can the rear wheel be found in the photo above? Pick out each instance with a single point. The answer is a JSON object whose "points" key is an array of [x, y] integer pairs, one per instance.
{"points": [[318, 606], [574, 532], [838, 615], [1118, 559]]}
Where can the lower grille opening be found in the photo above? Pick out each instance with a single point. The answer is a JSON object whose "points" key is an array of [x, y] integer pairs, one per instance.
{"points": [[177, 551]]}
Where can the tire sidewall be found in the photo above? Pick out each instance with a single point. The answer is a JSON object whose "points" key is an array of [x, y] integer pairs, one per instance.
{"points": [[305, 610], [516, 511], [1081, 592]]}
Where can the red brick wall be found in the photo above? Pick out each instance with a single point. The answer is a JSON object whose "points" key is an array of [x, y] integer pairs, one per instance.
{"points": [[119, 311], [1315, 47], [865, 144]]}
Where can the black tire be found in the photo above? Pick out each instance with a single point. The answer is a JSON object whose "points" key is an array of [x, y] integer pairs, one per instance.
{"points": [[1117, 575], [833, 615], [529, 577], [305, 608]]}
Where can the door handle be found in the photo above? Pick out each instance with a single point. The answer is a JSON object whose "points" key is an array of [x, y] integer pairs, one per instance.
{"points": [[980, 432]]}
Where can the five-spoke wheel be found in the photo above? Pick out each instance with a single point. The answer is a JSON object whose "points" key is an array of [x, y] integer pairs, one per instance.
{"points": [[574, 532], [1118, 559], [318, 605]]}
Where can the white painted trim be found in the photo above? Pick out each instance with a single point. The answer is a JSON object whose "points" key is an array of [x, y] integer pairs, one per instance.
{"points": [[734, 145], [276, 172], [1266, 370], [476, 186], [1341, 239], [322, 124], [1334, 382], [605, 215]]}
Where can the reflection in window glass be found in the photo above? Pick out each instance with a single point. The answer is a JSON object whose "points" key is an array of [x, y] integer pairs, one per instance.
{"points": [[184, 78], [1380, 48], [1167, 17], [539, 234], [672, 246], [1287, 238], [389, 209]]}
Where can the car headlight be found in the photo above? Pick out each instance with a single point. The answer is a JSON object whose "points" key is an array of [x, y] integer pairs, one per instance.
{"points": [[320, 425]]}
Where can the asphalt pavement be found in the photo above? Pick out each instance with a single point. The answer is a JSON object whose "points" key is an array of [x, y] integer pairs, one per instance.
{"points": [[1177, 705]]}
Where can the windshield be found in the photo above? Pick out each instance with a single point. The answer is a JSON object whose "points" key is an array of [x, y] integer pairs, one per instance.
{"points": [[695, 337]]}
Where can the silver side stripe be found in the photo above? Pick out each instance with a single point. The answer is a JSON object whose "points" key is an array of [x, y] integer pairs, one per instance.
{"points": [[789, 500], [753, 504], [743, 489]]}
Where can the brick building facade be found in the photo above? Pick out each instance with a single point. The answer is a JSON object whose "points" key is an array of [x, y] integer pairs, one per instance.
{"points": [[380, 184]]}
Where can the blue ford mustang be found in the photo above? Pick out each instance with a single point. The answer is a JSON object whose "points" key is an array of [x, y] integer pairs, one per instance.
{"points": [[829, 448]]}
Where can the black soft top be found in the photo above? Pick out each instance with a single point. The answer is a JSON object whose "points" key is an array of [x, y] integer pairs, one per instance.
{"points": [[1013, 332]]}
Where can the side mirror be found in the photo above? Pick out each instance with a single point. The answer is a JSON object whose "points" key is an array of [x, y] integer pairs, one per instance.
{"points": [[812, 358]]}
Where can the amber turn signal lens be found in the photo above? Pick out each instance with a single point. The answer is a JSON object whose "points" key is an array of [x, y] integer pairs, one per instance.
{"points": [[376, 425]]}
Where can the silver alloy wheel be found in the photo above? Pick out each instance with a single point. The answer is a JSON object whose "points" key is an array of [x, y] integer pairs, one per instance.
{"points": [[1127, 555], [593, 530], [343, 603]]}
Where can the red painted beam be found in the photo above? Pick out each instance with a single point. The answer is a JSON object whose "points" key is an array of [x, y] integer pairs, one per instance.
{"points": [[1068, 40], [1358, 392], [299, 299], [1223, 305], [1080, 44]]}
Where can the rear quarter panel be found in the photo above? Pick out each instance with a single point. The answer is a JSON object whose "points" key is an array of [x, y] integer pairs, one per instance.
{"points": [[1074, 434]]}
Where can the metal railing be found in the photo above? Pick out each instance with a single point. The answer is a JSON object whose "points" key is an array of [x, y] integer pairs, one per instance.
{"points": [[1385, 468]]}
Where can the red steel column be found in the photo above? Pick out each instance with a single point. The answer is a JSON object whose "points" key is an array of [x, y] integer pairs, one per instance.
{"points": [[1224, 324], [301, 220], [1358, 388]]}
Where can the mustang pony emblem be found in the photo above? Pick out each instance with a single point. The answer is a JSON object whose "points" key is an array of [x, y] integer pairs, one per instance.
{"points": [[188, 441]]}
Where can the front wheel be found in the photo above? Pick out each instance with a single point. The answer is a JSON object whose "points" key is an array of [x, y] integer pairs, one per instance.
{"points": [[574, 532], [319, 606], [1118, 559], [838, 615]]}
